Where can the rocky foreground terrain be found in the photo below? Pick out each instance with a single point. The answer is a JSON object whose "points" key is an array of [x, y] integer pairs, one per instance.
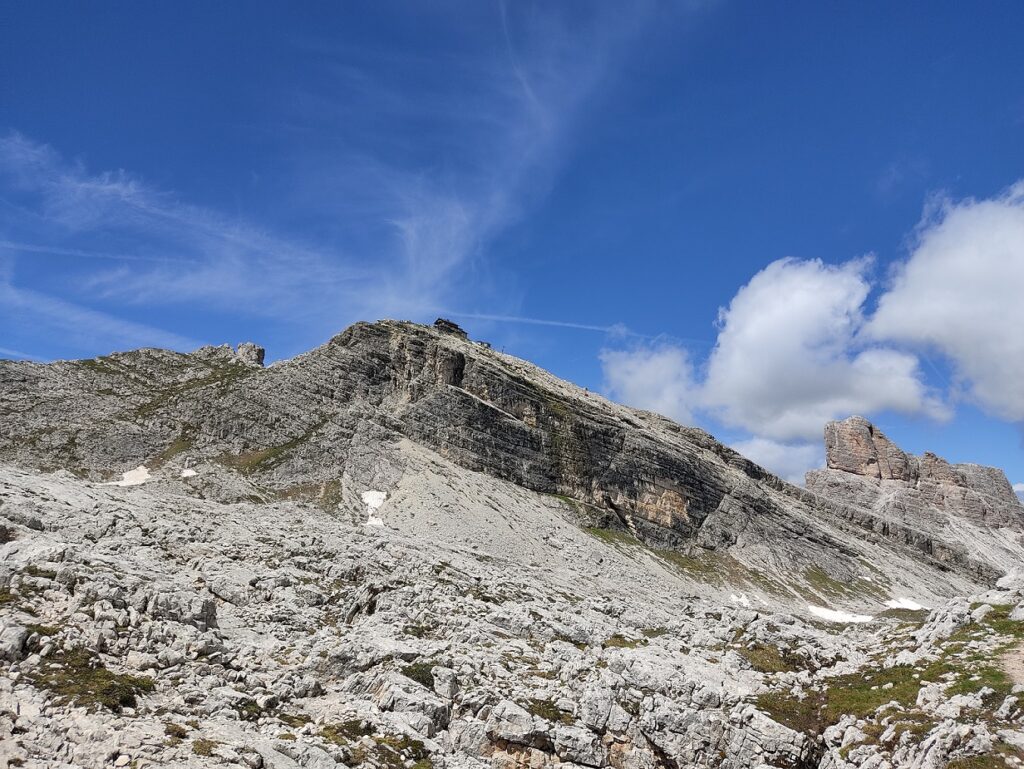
{"points": [[404, 549]]}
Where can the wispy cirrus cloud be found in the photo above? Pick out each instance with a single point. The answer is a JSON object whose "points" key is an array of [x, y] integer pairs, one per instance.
{"points": [[12, 247], [77, 326], [19, 355], [393, 172], [187, 253]]}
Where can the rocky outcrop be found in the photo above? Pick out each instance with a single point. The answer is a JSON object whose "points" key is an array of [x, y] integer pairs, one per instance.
{"points": [[856, 446], [973, 491], [964, 505]]}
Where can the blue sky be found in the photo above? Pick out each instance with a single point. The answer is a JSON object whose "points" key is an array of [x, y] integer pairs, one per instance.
{"points": [[749, 217]]}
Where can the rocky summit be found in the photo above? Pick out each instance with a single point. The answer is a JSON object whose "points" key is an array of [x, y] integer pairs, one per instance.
{"points": [[405, 549]]}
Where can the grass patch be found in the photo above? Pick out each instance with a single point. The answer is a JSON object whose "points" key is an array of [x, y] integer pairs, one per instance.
{"points": [[825, 585], [996, 759], [569, 502], [801, 715], [184, 442], [294, 720], [549, 675], [34, 571], [248, 710], [916, 616], [420, 672], [719, 569], [385, 752], [614, 537], [203, 746], [989, 676], [101, 365], [999, 620], [344, 732], [263, 459], [859, 694], [570, 640], [654, 632], [325, 495], [913, 723], [177, 731], [80, 678], [619, 641], [219, 376], [43, 630], [394, 752], [767, 658], [417, 631], [480, 594], [548, 711], [976, 671], [706, 566]]}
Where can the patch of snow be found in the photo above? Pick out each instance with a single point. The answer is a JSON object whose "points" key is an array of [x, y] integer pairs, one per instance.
{"points": [[188, 472], [373, 500], [904, 603], [135, 477], [741, 599], [837, 616]]}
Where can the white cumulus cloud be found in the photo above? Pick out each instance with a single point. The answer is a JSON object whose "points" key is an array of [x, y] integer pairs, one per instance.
{"points": [[655, 378], [789, 357], [960, 293], [787, 460]]}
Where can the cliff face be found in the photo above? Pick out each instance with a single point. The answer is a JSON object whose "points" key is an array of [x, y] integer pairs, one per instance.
{"points": [[305, 421], [334, 420], [969, 503]]}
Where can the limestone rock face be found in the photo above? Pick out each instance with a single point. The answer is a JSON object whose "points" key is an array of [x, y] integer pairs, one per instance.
{"points": [[315, 426], [982, 494], [969, 503], [856, 446]]}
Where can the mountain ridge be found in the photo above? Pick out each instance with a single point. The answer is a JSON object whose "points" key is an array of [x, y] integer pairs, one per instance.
{"points": [[405, 550], [299, 427]]}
